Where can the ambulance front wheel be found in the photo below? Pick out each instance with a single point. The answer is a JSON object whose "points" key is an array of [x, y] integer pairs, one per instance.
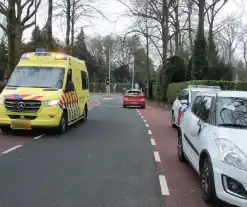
{"points": [[6, 129], [62, 127]]}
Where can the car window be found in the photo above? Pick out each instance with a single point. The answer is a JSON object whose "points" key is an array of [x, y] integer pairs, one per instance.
{"points": [[231, 112], [183, 95], [205, 108], [196, 104], [134, 92], [84, 79], [193, 95]]}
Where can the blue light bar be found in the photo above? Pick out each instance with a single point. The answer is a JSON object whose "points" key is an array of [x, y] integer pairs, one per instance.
{"points": [[40, 49]]}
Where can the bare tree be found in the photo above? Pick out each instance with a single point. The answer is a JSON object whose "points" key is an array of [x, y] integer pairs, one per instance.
{"points": [[74, 11], [16, 25]]}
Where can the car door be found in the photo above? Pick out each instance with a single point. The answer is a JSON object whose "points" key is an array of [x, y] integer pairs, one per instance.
{"points": [[77, 93], [190, 126], [205, 131], [85, 88]]}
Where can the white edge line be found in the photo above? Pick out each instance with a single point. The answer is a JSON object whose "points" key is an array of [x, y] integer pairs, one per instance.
{"points": [[147, 125], [144, 120], [40, 136], [163, 185], [149, 132], [156, 156], [153, 142], [11, 149], [142, 117]]}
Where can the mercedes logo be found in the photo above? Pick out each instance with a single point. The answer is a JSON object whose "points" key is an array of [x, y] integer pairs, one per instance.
{"points": [[21, 105]]}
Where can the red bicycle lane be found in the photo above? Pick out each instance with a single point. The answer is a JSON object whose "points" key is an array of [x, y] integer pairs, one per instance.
{"points": [[182, 181]]}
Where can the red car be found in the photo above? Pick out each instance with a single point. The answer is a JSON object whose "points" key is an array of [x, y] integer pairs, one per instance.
{"points": [[134, 97]]}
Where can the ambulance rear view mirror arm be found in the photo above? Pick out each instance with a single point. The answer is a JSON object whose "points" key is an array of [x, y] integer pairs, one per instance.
{"points": [[70, 87]]}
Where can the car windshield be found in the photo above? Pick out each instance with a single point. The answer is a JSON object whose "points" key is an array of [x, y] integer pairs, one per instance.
{"points": [[37, 77], [134, 92], [231, 112]]}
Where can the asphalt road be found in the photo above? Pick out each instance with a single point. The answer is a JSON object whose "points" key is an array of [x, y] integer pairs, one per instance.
{"points": [[106, 161]]}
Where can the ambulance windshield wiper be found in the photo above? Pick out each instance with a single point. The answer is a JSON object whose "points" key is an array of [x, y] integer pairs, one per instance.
{"points": [[12, 86], [39, 87]]}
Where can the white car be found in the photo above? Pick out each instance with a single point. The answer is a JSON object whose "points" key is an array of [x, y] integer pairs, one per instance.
{"points": [[185, 98], [213, 138]]}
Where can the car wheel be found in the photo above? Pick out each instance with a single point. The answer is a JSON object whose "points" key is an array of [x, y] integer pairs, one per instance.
{"points": [[6, 129], [143, 107], [124, 106], [207, 181], [173, 120], [85, 113], [62, 127], [180, 152]]}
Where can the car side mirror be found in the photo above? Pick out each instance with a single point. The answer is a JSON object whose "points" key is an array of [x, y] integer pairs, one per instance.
{"points": [[70, 86], [184, 101]]}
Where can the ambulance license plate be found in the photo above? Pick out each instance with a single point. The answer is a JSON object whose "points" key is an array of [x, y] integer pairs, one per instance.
{"points": [[21, 124]]}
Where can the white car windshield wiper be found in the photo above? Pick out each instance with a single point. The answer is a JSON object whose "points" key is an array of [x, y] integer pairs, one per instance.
{"points": [[233, 125]]}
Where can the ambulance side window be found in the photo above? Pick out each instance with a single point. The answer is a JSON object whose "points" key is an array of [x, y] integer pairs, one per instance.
{"points": [[69, 76], [84, 79], [69, 81]]}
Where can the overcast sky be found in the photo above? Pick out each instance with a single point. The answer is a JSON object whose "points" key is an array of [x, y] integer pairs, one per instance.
{"points": [[116, 22]]}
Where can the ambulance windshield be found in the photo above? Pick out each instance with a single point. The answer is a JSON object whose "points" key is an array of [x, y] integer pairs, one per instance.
{"points": [[37, 77]]}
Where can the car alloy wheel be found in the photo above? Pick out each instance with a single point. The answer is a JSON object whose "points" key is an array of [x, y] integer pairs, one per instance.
{"points": [[205, 179]]}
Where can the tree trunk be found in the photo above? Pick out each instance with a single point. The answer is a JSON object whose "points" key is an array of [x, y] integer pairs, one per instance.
{"points": [[68, 26], [11, 22], [177, 28], [201, 18], [73, 26], [190, 26], [49, 27]]}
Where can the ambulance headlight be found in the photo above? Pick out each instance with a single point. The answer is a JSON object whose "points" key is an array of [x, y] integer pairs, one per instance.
{"points": [[51, 102], [1, 101]]}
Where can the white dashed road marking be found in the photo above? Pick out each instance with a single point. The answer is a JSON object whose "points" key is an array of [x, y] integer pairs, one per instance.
{"points": [[142, 117], [153, 142], [147, 125], [40, 136], [149, 132], [156, 156], [144, 121], [163, 185], [11, 149]]}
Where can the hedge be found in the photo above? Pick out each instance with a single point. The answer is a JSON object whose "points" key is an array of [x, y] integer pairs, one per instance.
{"points": [[174, 88]]}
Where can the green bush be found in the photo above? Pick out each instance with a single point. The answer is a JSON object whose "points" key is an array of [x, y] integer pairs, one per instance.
{"points": [[174, 88]]}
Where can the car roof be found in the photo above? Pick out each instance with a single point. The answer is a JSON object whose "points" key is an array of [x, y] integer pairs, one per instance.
{"points": [[204, 89], [226, 93]]}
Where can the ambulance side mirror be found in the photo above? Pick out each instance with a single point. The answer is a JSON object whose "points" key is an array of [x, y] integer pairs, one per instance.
{"points": [[70, 87]]}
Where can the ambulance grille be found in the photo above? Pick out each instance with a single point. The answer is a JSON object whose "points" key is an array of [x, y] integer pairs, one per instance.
{"points": [[30, 106]]}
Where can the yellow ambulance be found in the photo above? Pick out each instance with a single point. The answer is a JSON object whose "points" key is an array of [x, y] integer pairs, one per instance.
{"points": [[46, 90]]}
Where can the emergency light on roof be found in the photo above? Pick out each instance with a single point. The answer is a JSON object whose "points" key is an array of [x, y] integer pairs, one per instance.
{"points": [[40, 49], [203, 86], [25, 56], [61, 57]]}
